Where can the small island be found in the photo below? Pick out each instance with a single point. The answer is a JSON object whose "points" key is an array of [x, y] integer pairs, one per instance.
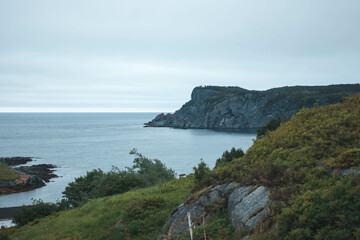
{"points": [[23, 178]]}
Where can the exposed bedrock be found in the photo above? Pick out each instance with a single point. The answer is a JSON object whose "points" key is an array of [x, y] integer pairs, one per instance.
{"points": [[235, 107], [246, 206]]}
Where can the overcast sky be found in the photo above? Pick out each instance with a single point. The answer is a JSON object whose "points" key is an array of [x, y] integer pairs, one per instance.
{"points": [[142, 55]]}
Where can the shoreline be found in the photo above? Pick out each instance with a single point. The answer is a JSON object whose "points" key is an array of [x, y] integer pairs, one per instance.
{"points": [[30, 177]]}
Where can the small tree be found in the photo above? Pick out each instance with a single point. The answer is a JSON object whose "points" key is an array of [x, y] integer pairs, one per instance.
{"points": [[229, 156], [272, 125], [150, 171], [84, 187], [201, 171]]}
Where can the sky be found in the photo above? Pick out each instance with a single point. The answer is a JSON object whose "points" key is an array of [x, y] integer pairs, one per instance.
{"points": [[147, 56]]}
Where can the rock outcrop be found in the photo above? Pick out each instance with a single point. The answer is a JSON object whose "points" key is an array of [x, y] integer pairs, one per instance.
{"points": [[13, 161], [31, 177], [44, 171], [24, 183], [234, 107], [246, 205]]}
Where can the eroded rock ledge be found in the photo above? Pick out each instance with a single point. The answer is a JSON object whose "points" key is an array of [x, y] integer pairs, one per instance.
{"points": [[246, 206]]}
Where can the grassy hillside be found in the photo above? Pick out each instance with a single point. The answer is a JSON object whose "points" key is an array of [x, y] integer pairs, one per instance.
{"points": [[7, 174], [301, 162], [138, 214]]}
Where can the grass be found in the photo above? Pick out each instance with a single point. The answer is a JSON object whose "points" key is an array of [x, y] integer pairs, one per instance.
{"points": [[139, 214], [300, 162], [7, 174]]}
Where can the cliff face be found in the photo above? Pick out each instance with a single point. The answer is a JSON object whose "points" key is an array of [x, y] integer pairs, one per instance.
{"points": [[234, 107]]}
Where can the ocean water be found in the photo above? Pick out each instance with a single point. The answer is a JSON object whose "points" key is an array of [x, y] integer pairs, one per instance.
{"points": [[80, 142]]}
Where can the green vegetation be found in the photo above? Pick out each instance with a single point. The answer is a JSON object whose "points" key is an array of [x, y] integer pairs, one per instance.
{"points": [[272, 125], [38, 210], [229, 156], [137, 214], [95, 184], [7, 173], [300, 162], [201, 171]]}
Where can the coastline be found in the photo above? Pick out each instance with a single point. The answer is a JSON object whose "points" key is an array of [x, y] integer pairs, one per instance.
{"points": [[30, 177]]}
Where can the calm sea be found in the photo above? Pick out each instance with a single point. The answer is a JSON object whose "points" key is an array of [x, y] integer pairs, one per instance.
{"points": [[79, 142]]}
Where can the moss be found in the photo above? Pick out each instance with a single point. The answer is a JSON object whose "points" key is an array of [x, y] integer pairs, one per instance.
{"points": [[7, 173]]}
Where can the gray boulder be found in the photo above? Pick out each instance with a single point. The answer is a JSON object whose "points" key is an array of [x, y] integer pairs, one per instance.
{"points": [[246, 205], [246, 209]]}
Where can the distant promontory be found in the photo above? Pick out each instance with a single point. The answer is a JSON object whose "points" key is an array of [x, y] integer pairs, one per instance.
{"points": [[239, 108]]}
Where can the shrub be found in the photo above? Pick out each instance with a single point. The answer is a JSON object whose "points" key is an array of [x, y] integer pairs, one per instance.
{"points": [[272, 125], [229, 156], [201, 171], [150, 171], [144, 173], [39, 209], [116, 181], [84, 188]]}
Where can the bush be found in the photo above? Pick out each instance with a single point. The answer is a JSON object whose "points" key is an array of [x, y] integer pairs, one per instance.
{"points": [[39, 209], [144, 173], [150, 171], [116, 181], [84, 188], [272, 125], [229, 156], [326, 213], [201, 171]]}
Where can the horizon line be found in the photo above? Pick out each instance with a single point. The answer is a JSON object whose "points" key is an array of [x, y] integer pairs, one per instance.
{"points": [[81, 110], [85, 112]]}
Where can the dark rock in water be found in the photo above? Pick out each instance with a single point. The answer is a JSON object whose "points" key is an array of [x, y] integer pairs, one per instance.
{"points": [[246, 205], [43, 171], [13, 161], [234, 107]]}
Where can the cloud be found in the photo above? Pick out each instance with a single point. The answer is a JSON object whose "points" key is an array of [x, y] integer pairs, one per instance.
{"points": [[149, 55]]}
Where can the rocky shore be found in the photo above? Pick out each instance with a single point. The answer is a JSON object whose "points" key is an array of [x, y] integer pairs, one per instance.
{"points": [[13, 161], [30, 177]]}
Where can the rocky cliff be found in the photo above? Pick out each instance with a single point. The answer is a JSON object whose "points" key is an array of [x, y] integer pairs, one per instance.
{"points": [[235, 107]]}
